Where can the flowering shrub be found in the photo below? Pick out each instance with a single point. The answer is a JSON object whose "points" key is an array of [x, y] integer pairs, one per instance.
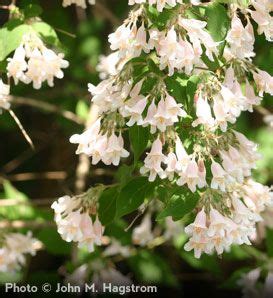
{"points": [[164, 119]]}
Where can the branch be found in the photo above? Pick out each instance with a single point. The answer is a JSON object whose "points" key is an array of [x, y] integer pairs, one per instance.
{"points": [[45, 106], [61, 175], [23, 131], [31, 224], [36, 202]]}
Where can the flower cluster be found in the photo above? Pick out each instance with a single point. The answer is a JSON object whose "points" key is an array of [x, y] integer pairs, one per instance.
{"points": [[217, 232], [81, 3], [14, 250], [261, 15], [34, 62], [107, 148], [147, 82], [4, 95], [176, 51], [72, 215]]}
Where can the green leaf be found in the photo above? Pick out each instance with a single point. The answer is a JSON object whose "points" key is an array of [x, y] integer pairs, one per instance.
{"points": [[160, 19], [11, 37], [179, 205], [53, 242], [82, 109], [191, 87], [133, 194], [269, 242], [20, 211], [47, 33], [124, 174], [107, 205], [139, 137], [218, 22], [24, 209], [176, 86], [32, 10], [152, 268]]}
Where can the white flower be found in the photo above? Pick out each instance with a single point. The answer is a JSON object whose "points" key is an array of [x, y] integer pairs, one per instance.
{"points": [[252, 98], [171, 162], [220, 178], [173, 229], [160, 4], [261, 15], [198, 35], [135, 111], [4, 95], [264, 82], [231, 168], [241, 39], [75, 225], [199, 245], [129, 40], [190, 176], [22, 244], [116, 248], [8, 262], [199, 227], [33, 62], [150, 120], [153, 161], [142, 234], [203, 113], [91, 232], [87, 139], [108, 65], [115, 150], [242, 214], [218, 224], [17, 65], [15, 248], [68, 227], [182, 157], [257, 196]]}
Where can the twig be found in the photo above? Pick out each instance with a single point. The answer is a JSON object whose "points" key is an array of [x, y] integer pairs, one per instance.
{"points": [[18, 224], [107, 14], [65, 32], [36, 202], [24, 133], [46, 107], [37, 176]]}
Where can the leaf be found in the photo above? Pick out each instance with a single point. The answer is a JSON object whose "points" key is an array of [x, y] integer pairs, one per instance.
{"points": [[24, 209], [82, 109], [176, 86], [269, 242], [11, 37], [152, 268], [218, 22], [124, 174], [20, 211], [107, 205], [191, 87], [179, 205], [53, 242], [47, 33], [32, 10], [139, 137], [160, 19], [133, 194]]}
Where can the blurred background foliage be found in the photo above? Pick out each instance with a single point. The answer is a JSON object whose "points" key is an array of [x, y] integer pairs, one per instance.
{"points": [[50, 171]]}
